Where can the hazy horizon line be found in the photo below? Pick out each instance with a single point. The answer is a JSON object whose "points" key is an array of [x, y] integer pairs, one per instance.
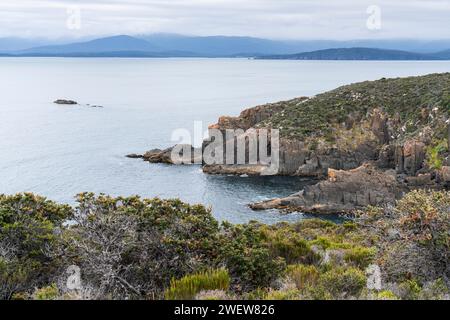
{"points": [[138, 35]]}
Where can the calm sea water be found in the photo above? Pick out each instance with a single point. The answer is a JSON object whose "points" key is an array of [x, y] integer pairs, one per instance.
{"points": [[58, 151]]}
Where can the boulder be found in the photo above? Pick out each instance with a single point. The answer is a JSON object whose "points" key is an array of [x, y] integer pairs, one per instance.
{"points": [[67, 102], [445, 171], [174, 155], [421, 180], [410, 157], [134, 156], [444, 175], [386, 157], [414, 156], [379, 126]]}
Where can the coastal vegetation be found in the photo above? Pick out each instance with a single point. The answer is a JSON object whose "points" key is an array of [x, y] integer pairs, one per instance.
{"points": [[133, 248], [411, 101]]}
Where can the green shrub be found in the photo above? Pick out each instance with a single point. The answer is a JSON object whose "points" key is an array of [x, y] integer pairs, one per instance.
{"points": [[315, 223], [350, 225], [361, 257], [425, 217], [28, 223], [257, 294], [410, 289], [317, 292], [327, 242], [435, 290], [47, 293], [247, 257], [157, 240], [446, 99], [386, 295], [15, 277], [30, 228], [20, 296], [419, 245], [189, 286], [339, 281], [435, 154], [289, 245], [313, 145], [303, 276]]}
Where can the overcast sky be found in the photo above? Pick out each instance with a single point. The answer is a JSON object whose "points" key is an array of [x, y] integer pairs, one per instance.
{"points": [[278, 19]]}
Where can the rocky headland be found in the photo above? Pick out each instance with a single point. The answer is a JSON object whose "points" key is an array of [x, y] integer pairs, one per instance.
{"points": [[166, 155], [369, 143]]}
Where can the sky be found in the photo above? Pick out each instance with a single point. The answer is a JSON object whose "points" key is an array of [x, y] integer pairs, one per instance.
{"points": [[275, 19]]}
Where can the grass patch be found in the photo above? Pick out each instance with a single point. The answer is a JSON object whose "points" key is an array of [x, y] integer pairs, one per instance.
{"points": [[189, 286]]}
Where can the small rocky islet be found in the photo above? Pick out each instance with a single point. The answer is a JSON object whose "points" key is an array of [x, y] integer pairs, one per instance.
{"points": [[73, 103], [65, 102], [369, 143]]}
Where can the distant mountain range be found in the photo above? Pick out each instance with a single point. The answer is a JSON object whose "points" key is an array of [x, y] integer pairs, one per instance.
{"points": [[14, 44], [172, 45], [110, 44], [360, 54]]}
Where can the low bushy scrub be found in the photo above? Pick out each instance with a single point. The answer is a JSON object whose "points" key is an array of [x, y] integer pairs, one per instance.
{"points": [[133, 248], [29, 238], [47, 293], [248, 257], [317, 117], [435, 154], [360, 257], [284, 242], [189, 286], [343, 282], [303, 276], [415, 237]]}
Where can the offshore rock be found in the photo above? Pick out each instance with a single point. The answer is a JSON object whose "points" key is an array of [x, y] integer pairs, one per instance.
{"points": [[64, 101], [178, 154]]}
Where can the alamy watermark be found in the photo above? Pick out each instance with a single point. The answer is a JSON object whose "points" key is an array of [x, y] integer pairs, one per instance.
{"points": [[73, 21], [252, 147], [373, 277], [374, 20], [74, 278]]}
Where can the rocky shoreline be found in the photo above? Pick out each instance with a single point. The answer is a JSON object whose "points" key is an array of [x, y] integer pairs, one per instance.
{"points": [[166, 155], [369, 143]]}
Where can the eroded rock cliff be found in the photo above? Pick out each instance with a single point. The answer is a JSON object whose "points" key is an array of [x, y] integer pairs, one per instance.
{"points": [[370, 141]]}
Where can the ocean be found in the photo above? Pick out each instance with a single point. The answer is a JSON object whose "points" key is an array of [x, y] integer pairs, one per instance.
{"points": [[58, 151]]}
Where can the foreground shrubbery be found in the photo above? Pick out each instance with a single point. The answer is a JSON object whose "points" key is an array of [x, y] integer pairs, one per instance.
{"points": [[132, 248], [189, 286], [30, 231]]}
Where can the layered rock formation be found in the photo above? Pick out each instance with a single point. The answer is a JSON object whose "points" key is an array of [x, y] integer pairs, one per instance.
{"points": [[371, 141], [343, 191], [174, 155]]}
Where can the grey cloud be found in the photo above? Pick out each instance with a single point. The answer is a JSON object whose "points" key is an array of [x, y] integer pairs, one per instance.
{"points": [[292, 19]]}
